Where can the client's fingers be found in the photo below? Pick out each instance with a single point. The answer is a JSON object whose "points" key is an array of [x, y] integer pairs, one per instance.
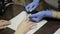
{"points": [[2, 27], [4, 23], [26, 19], [31, 24]]}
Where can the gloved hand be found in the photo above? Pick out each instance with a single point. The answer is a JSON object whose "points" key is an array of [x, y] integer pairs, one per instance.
{"points": [[40, 15], [32, 6]]}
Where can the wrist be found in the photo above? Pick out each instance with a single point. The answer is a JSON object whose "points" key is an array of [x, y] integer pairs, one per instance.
{"points": [[36, 1], [49, 13], [56, 14]]}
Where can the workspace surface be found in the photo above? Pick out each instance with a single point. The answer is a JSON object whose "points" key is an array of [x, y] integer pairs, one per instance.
{"points": [[48, 28]]}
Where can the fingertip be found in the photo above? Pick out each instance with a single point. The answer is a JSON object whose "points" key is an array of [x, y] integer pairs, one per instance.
{"points": [[32, 15], [27, 16], [26, 8], [9, 22]]}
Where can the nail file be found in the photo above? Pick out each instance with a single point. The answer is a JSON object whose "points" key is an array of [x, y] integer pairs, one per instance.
{"points": [[20, 17], [58, 31]]}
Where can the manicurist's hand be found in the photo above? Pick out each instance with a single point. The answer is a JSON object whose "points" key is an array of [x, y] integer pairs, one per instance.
{"points": [[40, 15], [32, 6]]}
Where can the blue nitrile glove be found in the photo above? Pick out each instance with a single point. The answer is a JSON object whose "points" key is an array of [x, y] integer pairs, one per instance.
{"points": [[40, 15], [32, 6]]}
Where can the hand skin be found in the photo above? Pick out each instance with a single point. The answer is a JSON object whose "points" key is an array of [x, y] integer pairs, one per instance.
{"points": [[56, 14], [25, 26], [4, 23]]}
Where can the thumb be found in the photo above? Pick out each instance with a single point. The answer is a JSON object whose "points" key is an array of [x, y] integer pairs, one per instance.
{"points": [[35, 19], [33, 15]]}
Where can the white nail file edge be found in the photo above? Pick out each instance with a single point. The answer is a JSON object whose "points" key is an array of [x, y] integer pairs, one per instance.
{"points": [[58, 31], [38, 26]]}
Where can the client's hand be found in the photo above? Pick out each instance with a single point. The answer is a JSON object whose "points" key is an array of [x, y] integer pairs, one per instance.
{"points": [[25, 26], [4, 23]]}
